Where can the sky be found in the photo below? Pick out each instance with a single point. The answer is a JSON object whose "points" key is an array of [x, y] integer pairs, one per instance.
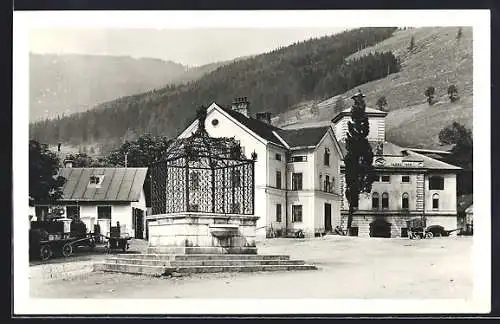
{"points": [[191, 47]]}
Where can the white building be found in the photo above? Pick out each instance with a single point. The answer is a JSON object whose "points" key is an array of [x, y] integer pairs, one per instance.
{"points": [[103, 196], [299, 175]]}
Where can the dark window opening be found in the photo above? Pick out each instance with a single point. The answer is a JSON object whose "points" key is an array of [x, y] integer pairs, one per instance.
{"points": [[436, 183], [326, 157], [435, 201], [278, 179], [298, 158], [405, 202], [375, 200], [297, 213], [278, 213], [386, 178], [405, 179], [296, 181], [278, 157], [385, 200], [103, 212]]}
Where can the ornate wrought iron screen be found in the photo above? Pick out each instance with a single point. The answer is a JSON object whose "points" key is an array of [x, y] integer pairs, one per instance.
{"points": [[203, 174]]}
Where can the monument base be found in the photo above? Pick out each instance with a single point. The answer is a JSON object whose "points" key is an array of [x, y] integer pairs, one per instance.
{"points": [[202, 233]]}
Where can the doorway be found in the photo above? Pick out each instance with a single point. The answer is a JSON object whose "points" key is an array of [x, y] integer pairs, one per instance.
{"points": [[138, 215], [328, 217], [380, 228]]}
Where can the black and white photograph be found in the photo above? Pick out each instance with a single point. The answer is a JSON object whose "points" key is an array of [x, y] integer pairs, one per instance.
{"points": [[264, 162]]}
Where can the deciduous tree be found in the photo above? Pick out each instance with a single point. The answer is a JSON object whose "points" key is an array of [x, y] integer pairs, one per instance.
{"points": [[382, 103], [45, 185], [429, 93]]}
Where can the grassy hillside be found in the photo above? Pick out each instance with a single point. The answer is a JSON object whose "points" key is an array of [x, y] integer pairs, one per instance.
{"points": [[438, 60]]}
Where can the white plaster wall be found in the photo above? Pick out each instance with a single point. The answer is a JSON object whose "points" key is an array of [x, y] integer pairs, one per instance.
{"points": [[273, 198], [274, 165], [395, 188], [122, 214], [376, 133], [333, 170], [447, 197], [306, 168], [306, 199]]}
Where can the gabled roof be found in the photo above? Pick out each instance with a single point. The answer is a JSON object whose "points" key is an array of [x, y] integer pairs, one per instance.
{"points": [[370, 112], [118, 184], [391, 149], [303, 137], [260, 128]]}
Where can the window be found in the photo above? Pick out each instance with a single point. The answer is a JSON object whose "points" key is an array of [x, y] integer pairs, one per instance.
{"points": [[103, 212], [326, 157], [405, 179], [376, 178], [298, 158], [236, 178], [215, 122], [404, 202], [435, 201], [297, 213], [296, 181], [278, 157], [386, 178], [278, 213], [436, 183], [385, 200], [327, 183], [278, 179], [194, 183], [73, 212], [193, 207], [95, 180], [375, 200]]}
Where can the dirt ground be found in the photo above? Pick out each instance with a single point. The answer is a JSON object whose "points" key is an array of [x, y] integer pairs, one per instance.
{"points": [[348, 267]]}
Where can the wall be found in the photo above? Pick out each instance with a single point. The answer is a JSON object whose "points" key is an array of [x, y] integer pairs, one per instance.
{"points": [[332, 170], [376, 133], [119, 212], [306, 199], [447, 197], [141, 204], [306, 168]]}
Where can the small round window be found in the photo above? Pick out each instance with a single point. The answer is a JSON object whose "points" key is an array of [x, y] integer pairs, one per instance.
{"points": [[215, 122]]}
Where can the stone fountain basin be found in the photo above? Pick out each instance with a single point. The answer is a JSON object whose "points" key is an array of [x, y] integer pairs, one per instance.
{"points": [[224, 230]]}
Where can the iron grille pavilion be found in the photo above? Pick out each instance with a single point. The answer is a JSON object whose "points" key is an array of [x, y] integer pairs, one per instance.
{"points": [[203, 174]]}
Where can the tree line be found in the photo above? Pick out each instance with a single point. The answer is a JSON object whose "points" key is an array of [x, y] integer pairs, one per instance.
{"points": [[273, 82]]}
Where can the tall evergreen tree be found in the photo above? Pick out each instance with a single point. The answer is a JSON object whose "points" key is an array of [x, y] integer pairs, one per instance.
{"points": [[453, 93], [359, 174], [381, 103]]}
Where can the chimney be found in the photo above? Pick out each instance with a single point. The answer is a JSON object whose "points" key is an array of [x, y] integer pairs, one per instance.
{"points": [[264, 117], [241, 105], [68, 163]]}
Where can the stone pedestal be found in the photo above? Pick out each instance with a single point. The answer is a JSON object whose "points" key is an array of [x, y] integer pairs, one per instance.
{"points": [[202, 233]]}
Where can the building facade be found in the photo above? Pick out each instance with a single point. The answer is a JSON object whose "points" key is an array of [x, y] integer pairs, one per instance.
{"points": [[299, 176], [103, 196]]}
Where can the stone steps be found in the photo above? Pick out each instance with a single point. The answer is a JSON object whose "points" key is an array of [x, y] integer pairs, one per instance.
{"points": [[159, 256], [160, 270], [181, 263], [165, 264]]}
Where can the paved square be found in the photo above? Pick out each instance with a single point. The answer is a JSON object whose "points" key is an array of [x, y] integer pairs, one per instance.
{"points": [[349, 267]]}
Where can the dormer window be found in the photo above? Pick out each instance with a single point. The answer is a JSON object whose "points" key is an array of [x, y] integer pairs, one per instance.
{"points": [[95, 180]]}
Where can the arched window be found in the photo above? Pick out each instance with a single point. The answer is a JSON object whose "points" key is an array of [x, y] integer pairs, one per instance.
{"points": [[435, 201], [405, 203], [375, 200], [385, 200]]}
